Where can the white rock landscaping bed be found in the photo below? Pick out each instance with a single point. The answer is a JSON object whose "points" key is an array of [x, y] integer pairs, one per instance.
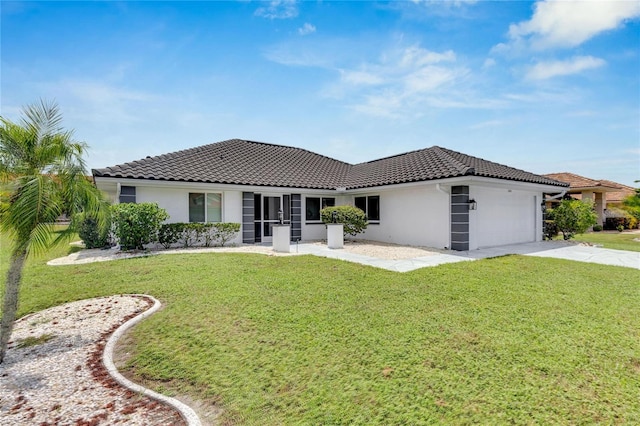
{"points": [[53, 371]]}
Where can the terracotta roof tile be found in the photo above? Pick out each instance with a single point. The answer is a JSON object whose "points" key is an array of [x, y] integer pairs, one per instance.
{"points": [[578, 182]]}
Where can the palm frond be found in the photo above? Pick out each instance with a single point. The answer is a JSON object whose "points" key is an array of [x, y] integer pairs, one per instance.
{"points": [[43, 175]]}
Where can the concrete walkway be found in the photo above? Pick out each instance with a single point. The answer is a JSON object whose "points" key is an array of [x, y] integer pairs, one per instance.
{"points": [[555, 249]]}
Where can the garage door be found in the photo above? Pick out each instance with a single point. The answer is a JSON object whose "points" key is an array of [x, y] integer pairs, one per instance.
{"points": [[504, 216]]}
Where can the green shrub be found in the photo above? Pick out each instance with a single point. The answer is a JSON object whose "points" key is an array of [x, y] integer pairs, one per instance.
{"points": [[137, 224], [550, 229], [597, 228], [620, 228], [170, 233], [353, 219], [91, 233], [224, 232], [624, 217], [574, 217], [193, 233], [196, 233]]}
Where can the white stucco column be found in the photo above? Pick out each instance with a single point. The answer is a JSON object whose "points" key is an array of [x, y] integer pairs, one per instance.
{"points": [[335, 235], [281, 238]]}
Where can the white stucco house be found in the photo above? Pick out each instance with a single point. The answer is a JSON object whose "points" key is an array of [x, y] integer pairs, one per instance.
{"points": [[432, 197]]}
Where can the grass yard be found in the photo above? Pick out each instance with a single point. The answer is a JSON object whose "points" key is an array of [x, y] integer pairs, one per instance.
{"points": [[612, 239], [306, 340]]}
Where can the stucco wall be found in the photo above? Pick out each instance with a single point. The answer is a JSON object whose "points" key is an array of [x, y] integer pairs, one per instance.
{"points": [[176, 202], [504, 216], [417, 216]]}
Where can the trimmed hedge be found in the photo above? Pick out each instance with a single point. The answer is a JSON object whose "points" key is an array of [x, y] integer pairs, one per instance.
{"points": [[197, 234]]}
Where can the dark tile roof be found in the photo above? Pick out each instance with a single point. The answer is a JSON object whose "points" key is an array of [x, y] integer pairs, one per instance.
{"points": [[255, 163], [238, 162]]}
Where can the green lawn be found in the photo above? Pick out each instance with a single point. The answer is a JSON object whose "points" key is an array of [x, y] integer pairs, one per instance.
{"points": [[613, 240], [306, 340]]}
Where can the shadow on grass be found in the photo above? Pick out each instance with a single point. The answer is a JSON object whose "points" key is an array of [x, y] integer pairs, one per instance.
{"points": [[74, 249]]}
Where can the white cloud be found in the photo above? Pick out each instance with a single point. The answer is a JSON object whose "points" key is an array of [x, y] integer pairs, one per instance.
{"points": [[361, 78], [488, 63], [417, 56], [448, 3], [306, 29], [570, 23], [549, 69], [488, 124], [278, 9], [400, 81]]}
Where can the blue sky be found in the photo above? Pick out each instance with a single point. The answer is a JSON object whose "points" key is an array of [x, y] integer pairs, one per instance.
{"points": [[542, 86]]}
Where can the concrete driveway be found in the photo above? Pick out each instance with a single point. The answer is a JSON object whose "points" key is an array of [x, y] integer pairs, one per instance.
{"points": [[555, 249]]}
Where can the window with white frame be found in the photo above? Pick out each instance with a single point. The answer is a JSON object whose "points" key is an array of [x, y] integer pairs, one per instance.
{"points": [[205, 207], [315, 204], [370, 205]]}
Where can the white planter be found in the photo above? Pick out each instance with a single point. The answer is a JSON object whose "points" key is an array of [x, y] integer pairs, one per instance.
{"points": [[335, 235], [281, 238]]}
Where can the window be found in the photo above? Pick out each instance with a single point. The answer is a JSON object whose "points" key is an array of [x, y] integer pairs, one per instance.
{"points": [[370, 206], [313, 206], [127, 194], [205, 207]]}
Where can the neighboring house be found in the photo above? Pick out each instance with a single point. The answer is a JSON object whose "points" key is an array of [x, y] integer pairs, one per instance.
{"points": [[432, 197], [615, 198], [601, 192]]}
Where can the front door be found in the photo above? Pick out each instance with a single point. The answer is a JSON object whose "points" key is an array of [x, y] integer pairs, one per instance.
{"points": [[270, 207], [266, 209]]}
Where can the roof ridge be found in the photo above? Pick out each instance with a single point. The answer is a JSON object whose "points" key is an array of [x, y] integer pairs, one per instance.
{"points": [[291, 147], [443, 153], [402, 154]]}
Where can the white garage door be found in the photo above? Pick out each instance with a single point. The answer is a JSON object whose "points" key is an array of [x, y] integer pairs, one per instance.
{"points": [[504, 216]]}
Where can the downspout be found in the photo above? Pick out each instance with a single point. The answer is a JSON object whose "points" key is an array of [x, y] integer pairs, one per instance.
{"points": [[118, 189], [439, 188]]}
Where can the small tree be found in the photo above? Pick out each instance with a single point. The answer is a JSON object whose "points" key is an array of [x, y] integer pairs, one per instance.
{"points": [[137, 224], [353, 219], [574, 217], [42, 175]]}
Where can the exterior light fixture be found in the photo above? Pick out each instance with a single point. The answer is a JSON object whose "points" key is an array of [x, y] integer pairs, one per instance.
{"points": [[472, 204]]}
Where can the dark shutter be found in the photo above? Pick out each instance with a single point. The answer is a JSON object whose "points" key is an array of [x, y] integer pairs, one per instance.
{"points": [[248, 232], [460, 218], [296, 217]]}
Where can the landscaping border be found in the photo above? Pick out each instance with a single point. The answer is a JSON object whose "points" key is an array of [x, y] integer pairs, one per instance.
{"points": [[185, 411]]}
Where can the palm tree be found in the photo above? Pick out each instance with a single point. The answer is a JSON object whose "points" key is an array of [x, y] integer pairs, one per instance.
{"points": [[42, 175]]}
